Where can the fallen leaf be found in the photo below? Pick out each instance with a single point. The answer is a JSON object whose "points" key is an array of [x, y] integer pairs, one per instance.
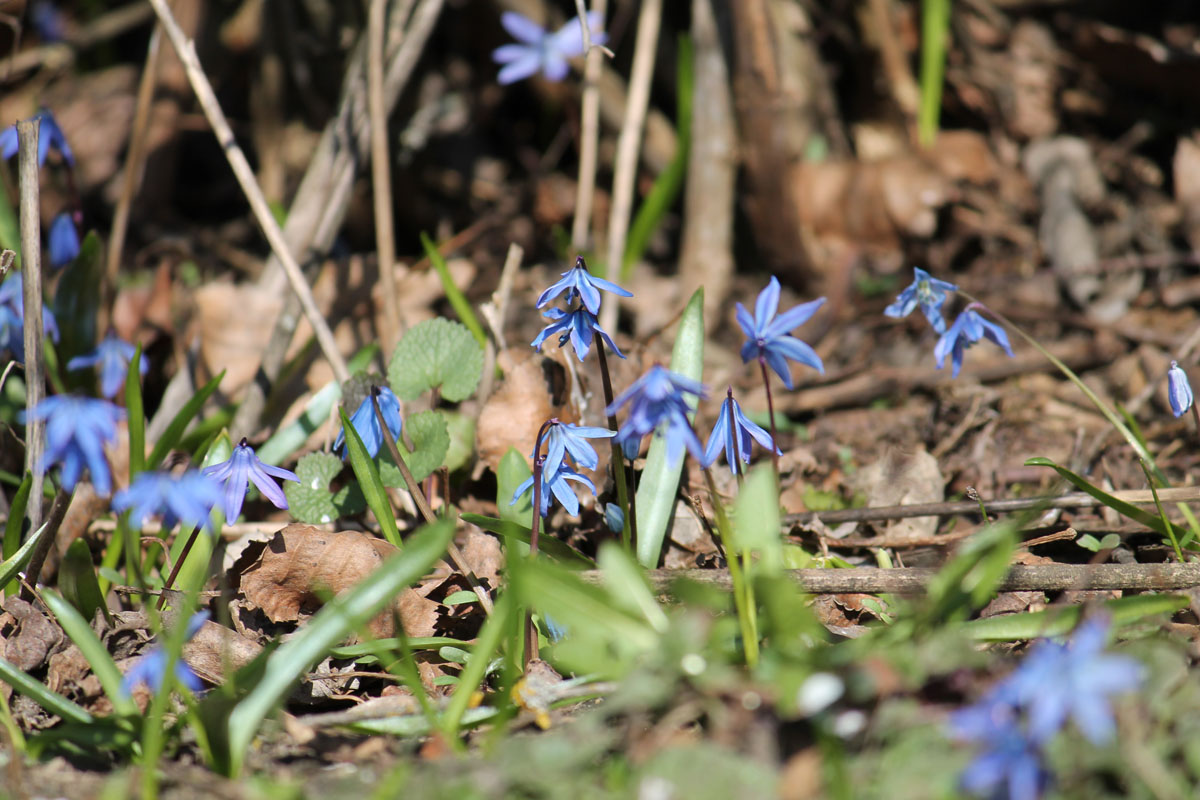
{"points": [[902, 478], [32, 635]]}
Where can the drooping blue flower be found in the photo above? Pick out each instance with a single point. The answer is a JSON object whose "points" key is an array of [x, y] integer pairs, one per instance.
{"points": [[767, 334], [12, 317], [658, 402], [77, 429], [188, 498], [968, 328], [733, 433], [541, 51], [578, 326], [49, 135], [578, 282], [366, 424], [62, 241], [151, 669], [1179, 390], [556, 484], [567, 438], [112, 356], [927, 292], [1074, 680], [236, 474], [1010, 765]]}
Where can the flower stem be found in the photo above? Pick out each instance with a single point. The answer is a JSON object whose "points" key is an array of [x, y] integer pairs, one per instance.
{"points": [[539, 463], [178, 565], [743, 593], [762, 363], [624, 496]]}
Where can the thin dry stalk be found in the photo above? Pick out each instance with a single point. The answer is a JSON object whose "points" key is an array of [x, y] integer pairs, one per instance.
{"points": [[28, 173], [381, 172], [589, 131]]}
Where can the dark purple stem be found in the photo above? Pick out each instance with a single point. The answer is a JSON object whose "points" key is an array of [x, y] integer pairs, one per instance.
{"points": [[762, 363], [539, 461], [625, 490]]}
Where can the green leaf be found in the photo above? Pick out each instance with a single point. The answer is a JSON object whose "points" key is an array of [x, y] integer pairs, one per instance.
{"points": [[660, 479], [311, 500], [548, 546], [969, 580], [136, 416], [756, 520], [462, 439], [12, 530], [368, 481], [430, 441], [935, 32], [512, 472], [36, 690], [76, 302], [458, 301], [436, 353], [80, 632], [77, 580], [460, 597], [178, 425], [340, 617], [17, 561], [627, 586], [1060, 621]]}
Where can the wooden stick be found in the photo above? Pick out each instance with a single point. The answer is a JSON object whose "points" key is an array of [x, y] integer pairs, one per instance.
{"points": [[381, 173], [589, 131], [29, 176]]}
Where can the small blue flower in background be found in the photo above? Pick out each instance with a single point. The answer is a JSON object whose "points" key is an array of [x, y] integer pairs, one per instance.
{"points": [[927, 292], [112, 356], [733, 433], [556, 484], [578, 282], [614, 517], [1010, 765], [1179, 390], [366, 424], [658, 402], [151, 669], [12, 317], [48, 21], [578, 326], [968, 329], [49, 135], [567, 438], [237, 473], [188, 498], [62, 241], [77, 429], [767, 334], [541, 51]]}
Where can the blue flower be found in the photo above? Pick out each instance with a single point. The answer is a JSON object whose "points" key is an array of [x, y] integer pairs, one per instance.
{"points": [[237, 473], [578, 326], [556, 484], [63, 241], [77, 429], [1074, 680], [366, 424], [1179, 391], [49, 135], [113, 356], [578, 282], [767, 334], [567, 438], [733, 432], [151, 669], [968, 329], [539, 50], [12, 317], [188, 498], [1010, 765], [658, 403], [927, 292]]}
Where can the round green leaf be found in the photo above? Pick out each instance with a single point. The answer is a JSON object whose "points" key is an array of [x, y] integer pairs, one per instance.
{"points": [[436, 353], [430, 439], [311, 500], [462, 439]]}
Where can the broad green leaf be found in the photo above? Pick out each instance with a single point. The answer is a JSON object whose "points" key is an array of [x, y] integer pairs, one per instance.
{"points": [[430, 441], [458, 301], [80, 632], [340, 617], [436, 353], [77, 580], [76, 301], [311, 500], [369, 483], [512, 472], [756, 519], [1060, 621], [462, 439], [660, 479], [178, 425], [626, 584]]}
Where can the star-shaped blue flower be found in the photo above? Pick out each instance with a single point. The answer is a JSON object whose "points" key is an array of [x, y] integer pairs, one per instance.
{"points": [[1010, 765], [968, 329], [927, 292], [541, 51], [567, 438], [556, 484], [236, 474], [767, 334], [62, 241], [188, 498], [733, 433], [366, 424], [49, 135], [12, 317], [112, 356], [578, 282], [578, 326], [659, 403], [1179, 390], [77, 428], [151, 669]]}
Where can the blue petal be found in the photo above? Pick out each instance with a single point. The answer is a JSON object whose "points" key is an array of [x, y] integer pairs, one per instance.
{"points": [[522, 28], [766, 304]]}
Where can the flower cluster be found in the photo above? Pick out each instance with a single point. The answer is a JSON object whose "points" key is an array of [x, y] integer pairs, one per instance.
{"points": [[542, 51], [970, 327], [77, 428], [1016, 719], [12, 317], [563, 439], [578, 323]]}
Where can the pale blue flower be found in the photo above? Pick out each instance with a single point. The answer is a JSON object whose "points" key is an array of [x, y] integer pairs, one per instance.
{"points": [[236, 474], [659, 403], [556, 484], [112, 357], [151, 669], [188, 498], [767, 334], [541, 51], [567, 438], [12, 317], [1179, 390], [927, 292], [578, 326], [62, 243], [969, 328], [733, 433], [49, 135], [77, 428], [366, 424], [578, 282]]}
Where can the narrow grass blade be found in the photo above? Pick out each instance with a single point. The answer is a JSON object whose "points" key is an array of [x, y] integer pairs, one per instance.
{"points": [[1060, 621], [36, 690], [13, 565], [77, 580], [178, 425], [368, 480], [458, 301], [547, 545], [330, 626], [660, 479], [626, 583], [935, 31], [102, 664], [481, 654]]}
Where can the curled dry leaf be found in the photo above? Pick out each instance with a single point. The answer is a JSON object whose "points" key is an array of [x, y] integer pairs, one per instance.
{"points": [[533, 390], [29, 635], [900, 478], [301, 564]]}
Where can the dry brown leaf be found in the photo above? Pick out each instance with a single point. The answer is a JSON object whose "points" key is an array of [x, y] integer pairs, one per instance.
{"points": [[533, 390], [901, 478], [31, 634]]}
